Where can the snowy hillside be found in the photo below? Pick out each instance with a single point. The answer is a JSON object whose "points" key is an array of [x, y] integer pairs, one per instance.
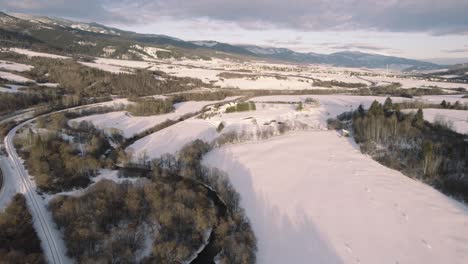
{"points": [[312, 197]]}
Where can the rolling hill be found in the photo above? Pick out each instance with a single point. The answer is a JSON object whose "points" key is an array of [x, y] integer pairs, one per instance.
{"points": [[70, 37]]}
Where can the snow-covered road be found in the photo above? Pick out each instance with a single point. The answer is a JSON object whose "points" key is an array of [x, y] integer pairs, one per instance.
{"points": [[51, 240]]}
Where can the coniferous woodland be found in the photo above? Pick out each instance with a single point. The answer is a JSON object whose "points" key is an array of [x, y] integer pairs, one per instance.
{"points": [[429, 152]]}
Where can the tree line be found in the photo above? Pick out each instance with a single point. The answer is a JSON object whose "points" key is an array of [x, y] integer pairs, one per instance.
{"points": [[432, 153]]}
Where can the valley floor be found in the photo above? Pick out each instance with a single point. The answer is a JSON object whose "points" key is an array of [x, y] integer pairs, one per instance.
{"points": [[312, 197]]}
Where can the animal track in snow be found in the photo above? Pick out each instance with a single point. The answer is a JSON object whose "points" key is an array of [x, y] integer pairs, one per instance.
{"points": [[426, 244], [348, 248]]}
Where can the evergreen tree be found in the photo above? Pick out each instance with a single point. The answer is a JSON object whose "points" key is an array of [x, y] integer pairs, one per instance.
{"points": [[418, 120], [361, 110], [388, 106], [444, 104], [376, 109]]}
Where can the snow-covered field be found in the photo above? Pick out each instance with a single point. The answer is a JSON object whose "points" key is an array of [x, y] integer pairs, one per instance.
{"points": [[106, 67], [313, 198], [267, 115], [268, 83], [13, 77], [31, 53], [131, 125], [13, 66], [124, 63], [331, 105], [414, 82], [437, 99], [457, 118], [172, 139], [298, 77]]}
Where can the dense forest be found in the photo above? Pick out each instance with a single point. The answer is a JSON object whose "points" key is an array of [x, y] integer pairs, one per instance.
{"points": [[171, 206], [58, 164], [15, 101], [18, 239], [432, 153]]}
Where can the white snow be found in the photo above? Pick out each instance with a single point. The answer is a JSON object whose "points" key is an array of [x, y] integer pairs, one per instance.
{"points": [[340, 77], [437, 99], [448, 76], [31, 53], [13, 88], [131, 125], [151, 51], [108, 51], [269, 83], [331, 105], [50, 85], [106, 67], [457, 118], [172, 139], [10, 184], [104, 174], [412, 82], [314, 117], [148, 241], [13, 77], [13, 66], [124, 63], [313, 198]]}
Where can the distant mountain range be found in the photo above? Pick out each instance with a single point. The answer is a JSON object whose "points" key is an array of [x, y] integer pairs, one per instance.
{"points": [[65, 36]]}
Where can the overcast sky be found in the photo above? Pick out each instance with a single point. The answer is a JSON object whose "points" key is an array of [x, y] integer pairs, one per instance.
{"points": [[411, 28]]}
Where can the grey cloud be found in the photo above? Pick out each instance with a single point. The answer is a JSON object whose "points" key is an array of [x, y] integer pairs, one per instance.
{"points": [[293, 42], [462, 50], [438, 18], [348, 46], [88, 10], [358, 46]]}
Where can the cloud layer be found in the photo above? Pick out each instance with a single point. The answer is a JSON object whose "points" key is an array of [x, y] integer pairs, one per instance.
{"points": [[435, 17]]}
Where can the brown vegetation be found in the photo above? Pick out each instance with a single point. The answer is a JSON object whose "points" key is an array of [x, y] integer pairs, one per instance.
{"points": [[18, 239]]}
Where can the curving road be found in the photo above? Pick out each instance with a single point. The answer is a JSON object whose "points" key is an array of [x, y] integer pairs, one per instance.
{"points": [[17, 180], [52, 242]]}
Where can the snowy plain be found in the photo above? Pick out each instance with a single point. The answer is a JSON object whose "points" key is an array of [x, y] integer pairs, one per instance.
{"points": [[312, 197]]}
